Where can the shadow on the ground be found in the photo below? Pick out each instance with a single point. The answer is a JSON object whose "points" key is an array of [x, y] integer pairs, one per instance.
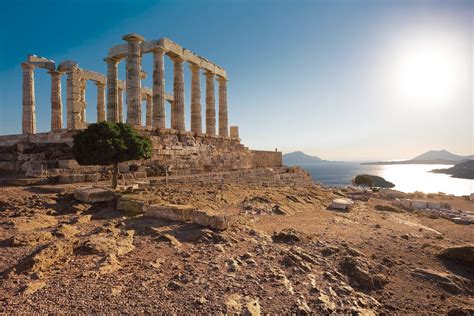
{"points": [[459, 268]]}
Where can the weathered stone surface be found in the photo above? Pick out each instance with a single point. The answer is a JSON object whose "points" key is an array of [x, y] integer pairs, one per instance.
{"points": [[463, 254], [94, 195], [134, 204], [200, 217], [172, 212], [341, 204]]}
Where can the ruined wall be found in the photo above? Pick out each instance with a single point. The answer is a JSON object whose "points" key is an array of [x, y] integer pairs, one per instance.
{"points": [[262, 159], [174, 153]]}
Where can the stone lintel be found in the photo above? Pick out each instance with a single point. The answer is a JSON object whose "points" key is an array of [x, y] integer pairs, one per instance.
{"points": [[94, 76], [41, 62]]}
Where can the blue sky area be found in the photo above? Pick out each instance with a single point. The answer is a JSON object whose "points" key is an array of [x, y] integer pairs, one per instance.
{"points": [[339, 79]]}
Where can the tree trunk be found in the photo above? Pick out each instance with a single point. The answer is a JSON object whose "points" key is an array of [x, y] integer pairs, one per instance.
{"points": [[114, 175]]}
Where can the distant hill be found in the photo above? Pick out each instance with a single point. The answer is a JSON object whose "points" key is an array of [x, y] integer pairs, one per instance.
{"points": [[464, 170], [300, 157], [431, 157], [441, 155]]}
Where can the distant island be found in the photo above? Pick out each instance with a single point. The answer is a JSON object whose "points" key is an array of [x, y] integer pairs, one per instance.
{"points": [[463, 170], [432, 157], [298, 157]]}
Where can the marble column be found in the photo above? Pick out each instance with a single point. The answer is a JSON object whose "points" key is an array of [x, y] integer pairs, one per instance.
{"points": [[223, 116], [83, 101], [210, 104], [149, 110], [120, 105], [100, 101], [28, 114], [133, 82], [178, 104], [56, 102], [196, 121], [112, 90], [234, 131], [73, 103], [159, 113]]}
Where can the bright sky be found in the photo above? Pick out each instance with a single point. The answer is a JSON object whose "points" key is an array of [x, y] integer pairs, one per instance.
{"points": [[345, 80]]}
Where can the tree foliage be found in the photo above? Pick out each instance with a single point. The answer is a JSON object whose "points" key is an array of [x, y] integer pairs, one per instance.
{"points": [[108, 143]]}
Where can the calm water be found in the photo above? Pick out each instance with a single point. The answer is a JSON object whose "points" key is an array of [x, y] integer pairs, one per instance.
{"points": [[407, 178]]}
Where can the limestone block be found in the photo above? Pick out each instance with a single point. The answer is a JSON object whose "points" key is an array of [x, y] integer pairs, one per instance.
{"points": [[418, 204], [342, 204], [71, 178], [172, 212], [92, 177], [132, 204], [406, 203], [434, 205], [201, 218], [94, 195], [139, 174], [68, 164], [471, 198], [220, 222]]}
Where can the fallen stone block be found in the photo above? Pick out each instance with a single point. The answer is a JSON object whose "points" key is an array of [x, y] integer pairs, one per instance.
{"points": [[201, 218], [406, 203], [418, 204], [342, 204], [72, 178], [220, 222], [172, 212], [94, 195], [134, 204], [434, 205]]}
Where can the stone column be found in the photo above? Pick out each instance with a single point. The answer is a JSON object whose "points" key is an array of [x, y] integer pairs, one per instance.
{"points": [[73, 103], [100, 101], [196, 121], [234, 131], [223, 116], [159, 113], [149, 110], [210, 104], [120, 105], [178, 104], [83, 101], [28, 114], [56, 102], [112, 90], [133, 82]]}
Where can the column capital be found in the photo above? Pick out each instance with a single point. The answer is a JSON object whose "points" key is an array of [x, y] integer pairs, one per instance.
{"points": [[99, 84], [133, 37], [27, 66], [159, 50], [113, 61], [177, 59], [55, 73], [221, 79], [208, 73], [194, 67]]}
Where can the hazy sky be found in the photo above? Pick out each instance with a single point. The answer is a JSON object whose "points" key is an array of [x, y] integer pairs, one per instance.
{"points": [[339, 79]]}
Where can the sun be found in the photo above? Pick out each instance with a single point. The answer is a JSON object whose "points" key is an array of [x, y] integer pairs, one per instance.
{"points": [[425, 72]]}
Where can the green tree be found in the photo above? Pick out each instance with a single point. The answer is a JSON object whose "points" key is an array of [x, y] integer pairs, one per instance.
{"points": [[108, 143], [364, 181]]}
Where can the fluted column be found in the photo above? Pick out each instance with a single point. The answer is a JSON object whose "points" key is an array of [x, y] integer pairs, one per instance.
{"points": [[133, 82], [149, 110], [28, 113], [120, 105], [159, 113], [100, 101], [210, 104], [112, 90], [223, 116], [196, 121], [74, 104], [56, 102], [83, 101], [178, 104]]}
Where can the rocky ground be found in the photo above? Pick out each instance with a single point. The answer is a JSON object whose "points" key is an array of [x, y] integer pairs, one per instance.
{"points": [[285, 252]]}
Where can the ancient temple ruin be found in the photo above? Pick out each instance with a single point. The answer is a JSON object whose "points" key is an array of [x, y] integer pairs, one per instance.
{"points": [[182, 150]]}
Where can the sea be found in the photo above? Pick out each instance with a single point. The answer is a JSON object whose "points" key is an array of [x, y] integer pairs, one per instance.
{"points": [[407, 178]]}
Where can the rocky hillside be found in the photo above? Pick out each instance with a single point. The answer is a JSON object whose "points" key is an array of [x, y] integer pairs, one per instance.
{"points": [[285, 251]]}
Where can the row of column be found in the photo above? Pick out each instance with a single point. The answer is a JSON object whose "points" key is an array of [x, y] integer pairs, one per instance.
{"points": [[76, 102], [156, 117]]}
